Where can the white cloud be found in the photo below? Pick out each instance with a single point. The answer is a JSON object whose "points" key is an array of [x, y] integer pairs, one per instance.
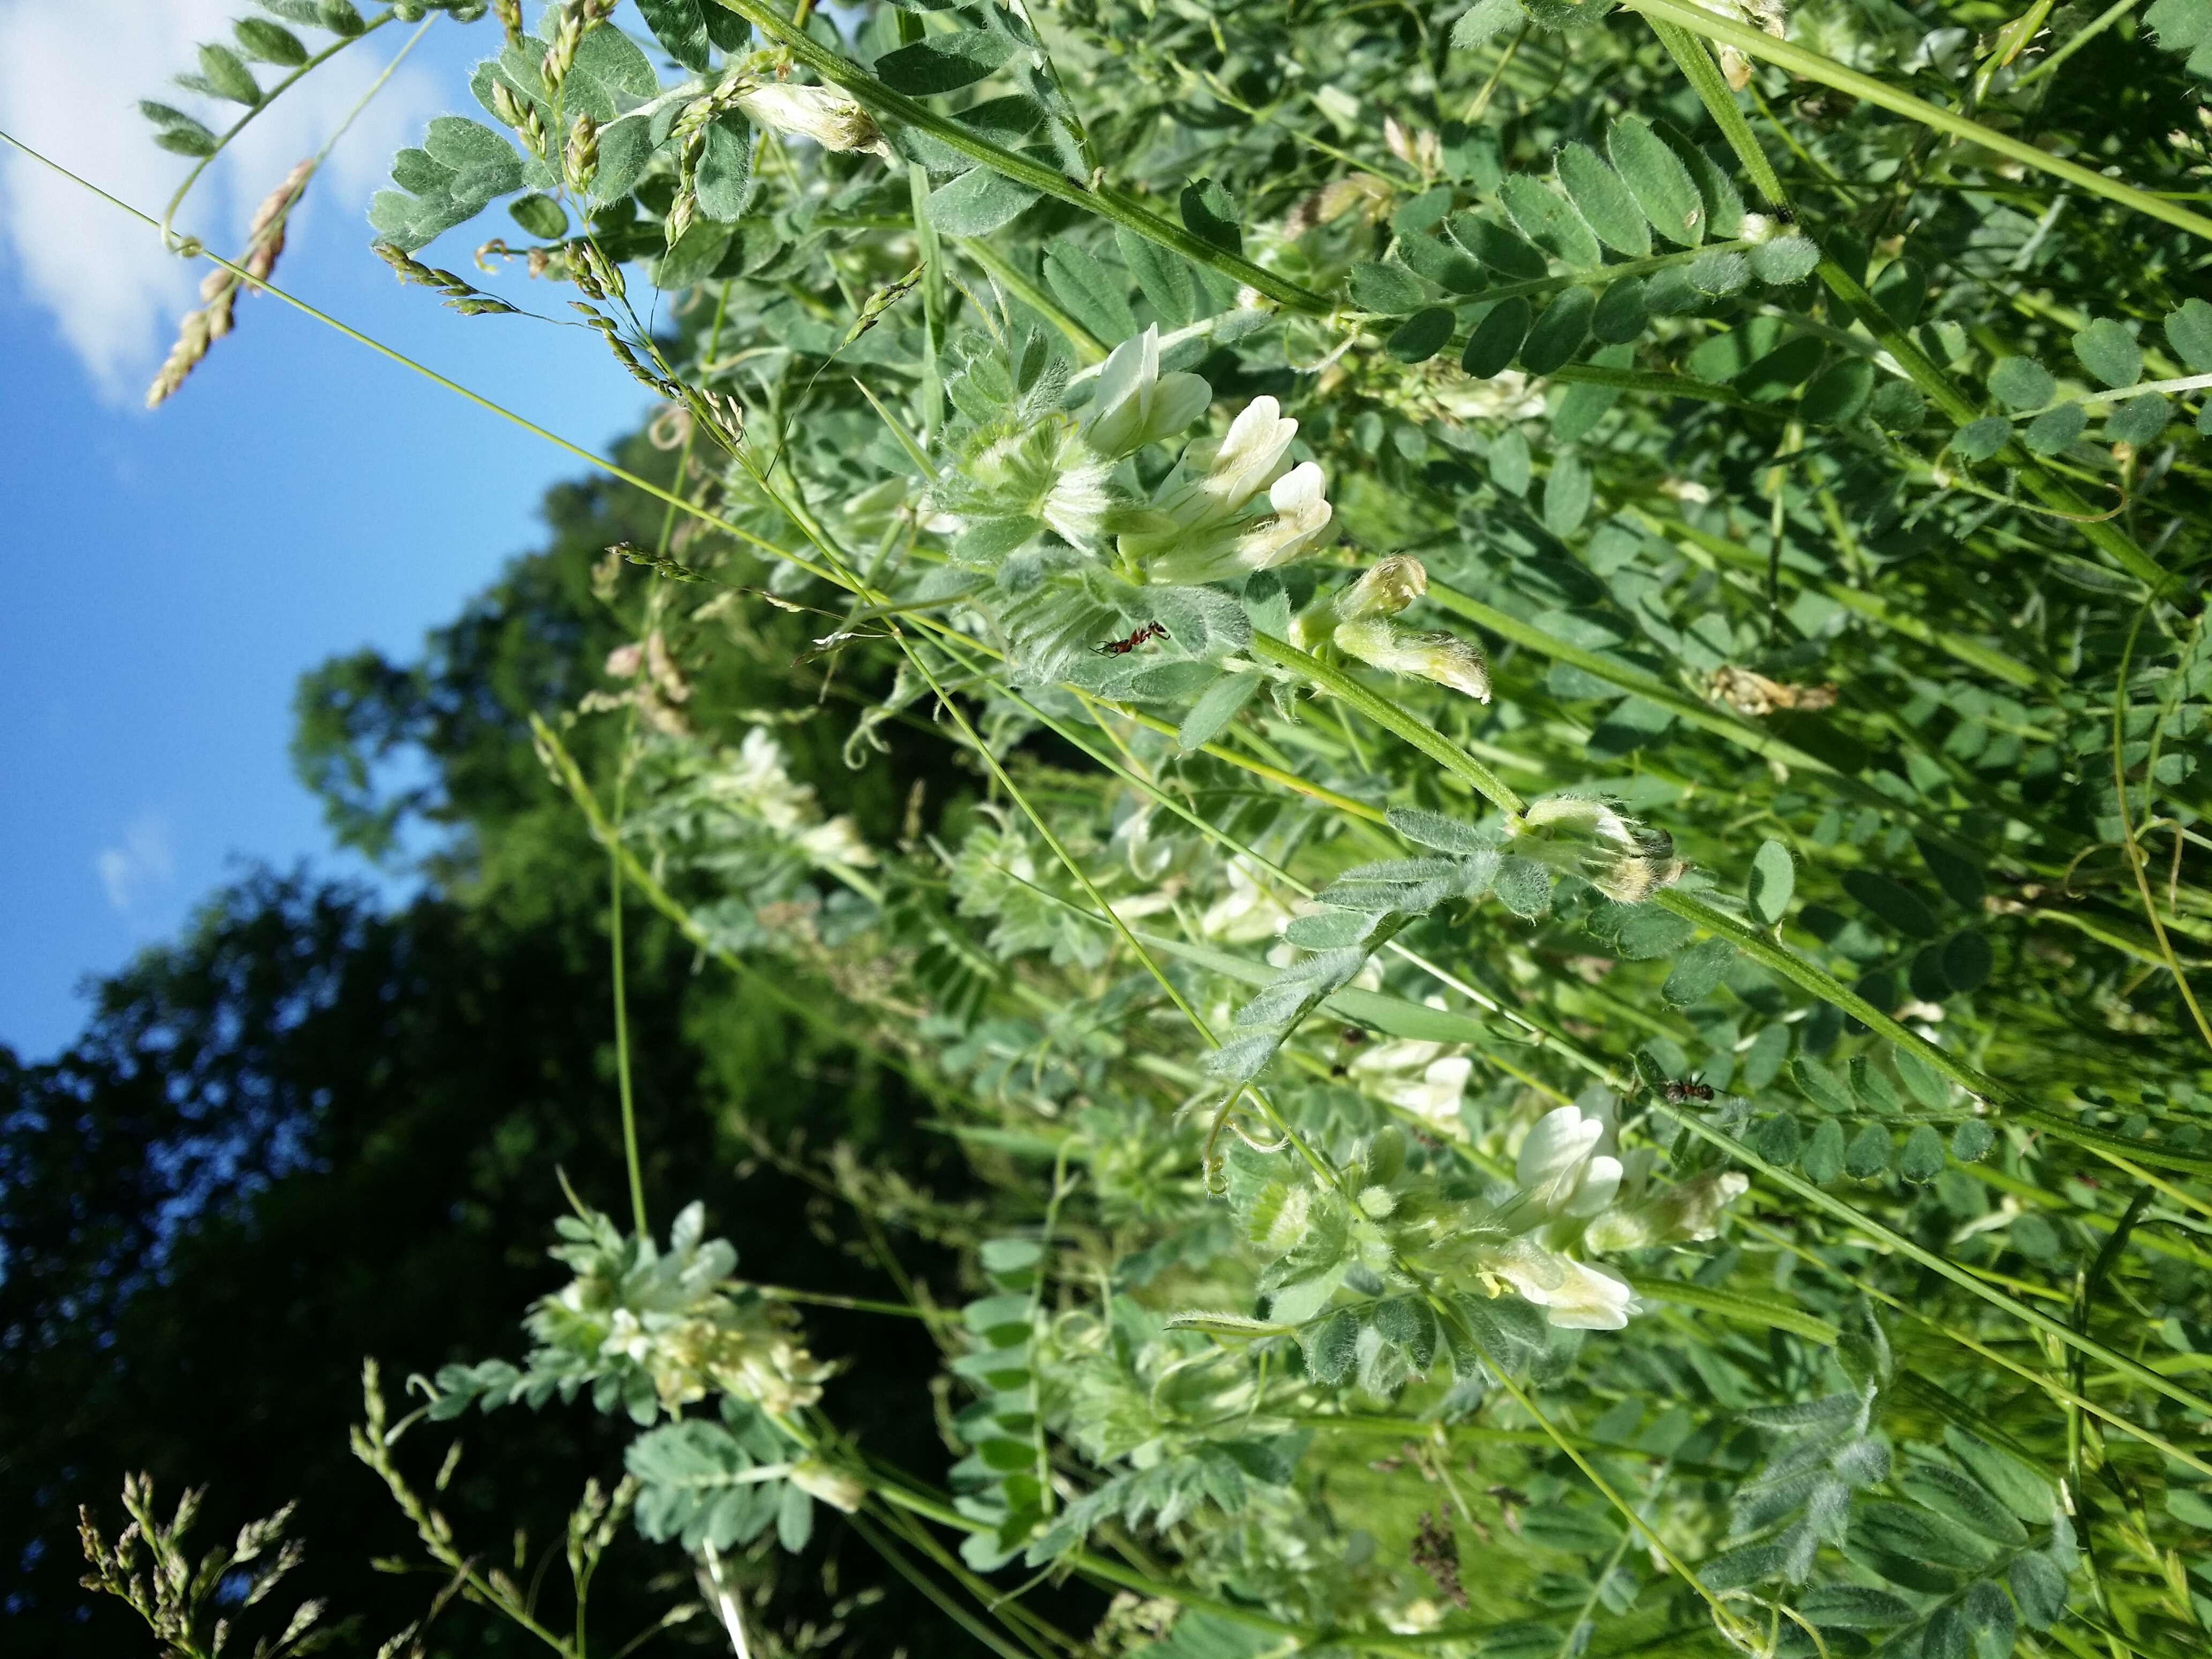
{"points": [[143, 863], [71, 73]]}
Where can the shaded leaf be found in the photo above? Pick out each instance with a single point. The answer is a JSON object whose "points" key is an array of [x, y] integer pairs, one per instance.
{"points": [[1496, 338], [2108, 352], [1657, 179]]}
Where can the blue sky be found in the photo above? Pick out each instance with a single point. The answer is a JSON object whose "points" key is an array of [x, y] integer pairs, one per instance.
{"points": [[170, 574]]}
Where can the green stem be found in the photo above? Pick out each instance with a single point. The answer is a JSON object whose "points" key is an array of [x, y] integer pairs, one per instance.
{"points": [[1659, 385], [643, 484], [1695, 711], [1393, 719], [2041, 482], [1094, 197], [929, 1587], [933, 306], [1003, 271], [816, 1012], [1595, 275], [1059, 851], [1038, 1633], [2124, 1154], [1987, 659], [2089, 31], [621, 1042], [1730, 1625], [850, 1304], [2049, 1385], [1695, 60]]}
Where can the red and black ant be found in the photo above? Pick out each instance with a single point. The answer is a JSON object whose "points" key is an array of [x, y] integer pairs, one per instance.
{"points": [[1677, 1093], [1150, 630]]}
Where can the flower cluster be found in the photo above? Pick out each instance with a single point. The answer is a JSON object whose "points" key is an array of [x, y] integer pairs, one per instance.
{"points": [[729, 808], [673, 1317], [1226, 509], [1575, 1190], [1205, 523]]}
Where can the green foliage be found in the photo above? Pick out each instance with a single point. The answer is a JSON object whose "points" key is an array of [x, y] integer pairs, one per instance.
{"points": [[1562, 687]]}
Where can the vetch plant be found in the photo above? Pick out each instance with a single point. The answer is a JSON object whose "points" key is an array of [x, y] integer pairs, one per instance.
{"points": [[1544, 665]]}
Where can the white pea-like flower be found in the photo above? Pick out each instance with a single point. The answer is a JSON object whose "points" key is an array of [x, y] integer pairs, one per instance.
{"points": [[1135, 404], [1298, 525], [1421, 1078], [1250, 458], [1575, 1296], [1624, 859], [1217, 545], [1567, 1166]]}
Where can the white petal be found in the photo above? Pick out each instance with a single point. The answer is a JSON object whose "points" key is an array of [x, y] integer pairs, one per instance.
{"points": [[1177, 401], [1117, 408], [1442, 1087], [1298, 488], [1250, 455], [1251, 431], [1301, 520], [1555, 1144], [1126, 369], [1590, 1299], [1599, 1182], [1399, 1055]]}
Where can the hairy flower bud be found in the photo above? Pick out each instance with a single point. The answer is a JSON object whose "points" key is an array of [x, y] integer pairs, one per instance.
{"points": [[832, 119], [1443, 657], [594, 272], [833, 1486], [1685, 1213], [560, 57], [521, 115], [1625, 860], [1384, 589]]}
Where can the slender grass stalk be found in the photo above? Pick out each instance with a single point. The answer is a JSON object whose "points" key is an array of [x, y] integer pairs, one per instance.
{"points": [[1678, 27], [936, 1593], [272, 94], [1813, 66], [2135, 1371], [2051, 1385]]}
